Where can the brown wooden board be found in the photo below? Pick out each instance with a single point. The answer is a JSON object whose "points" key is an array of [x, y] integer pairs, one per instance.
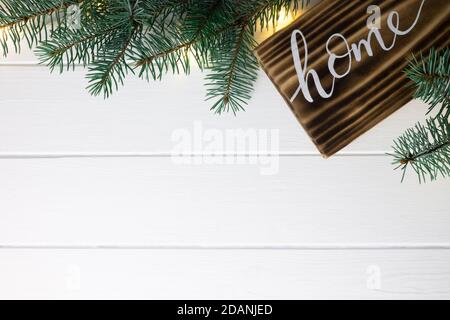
{"points": [[340, 65]]}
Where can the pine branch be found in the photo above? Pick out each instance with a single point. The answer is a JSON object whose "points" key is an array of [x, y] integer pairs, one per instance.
{"points": [[70, 46], [154, 36], [67, 48], [431, 76], [164, 12], [232, 77], [233, 67], [204, 27], [109, 69], [170, 51], [233, 72], [170, 56], [426, 149], [265, 14], [30, 19]]}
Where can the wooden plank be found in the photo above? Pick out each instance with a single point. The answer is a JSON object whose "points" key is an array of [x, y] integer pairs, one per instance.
{"points": [[162, 201], [43, 113], [224, 274], [25, 56]]}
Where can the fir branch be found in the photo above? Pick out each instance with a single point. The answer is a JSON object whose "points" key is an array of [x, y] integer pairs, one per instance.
{"points": [[110, 67], [232, 77], [164, 12], [233, 68], [30, 19], [426, 149], [265, 14], [170, 51], [109, 70], [431, 76], [67, 48], [155, 36], [233, 72], [70, 46], [171, 56]]}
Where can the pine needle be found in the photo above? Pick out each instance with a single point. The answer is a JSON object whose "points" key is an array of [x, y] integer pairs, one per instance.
{"points": [[431, 75], [426, 149], [154, 37]]}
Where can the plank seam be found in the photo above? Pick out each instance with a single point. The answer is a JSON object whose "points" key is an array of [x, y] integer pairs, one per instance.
{"points": [[312, 247], [27, 64], [169, 155]]}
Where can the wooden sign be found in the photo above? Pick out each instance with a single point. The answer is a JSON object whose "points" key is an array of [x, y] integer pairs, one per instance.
{"points": [[340, 65]]}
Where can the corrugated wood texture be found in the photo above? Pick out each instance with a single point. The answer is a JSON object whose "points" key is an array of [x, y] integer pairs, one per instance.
{"points": [[374, 87]]}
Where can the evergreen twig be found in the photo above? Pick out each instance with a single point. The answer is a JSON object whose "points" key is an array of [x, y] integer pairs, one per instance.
{"points": [[156, 36], [426, 149], [31, 20], [431, 76], [232, 75]]}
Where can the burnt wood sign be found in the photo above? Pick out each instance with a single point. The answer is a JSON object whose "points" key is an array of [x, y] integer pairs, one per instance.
{"points": [[340, 65]]}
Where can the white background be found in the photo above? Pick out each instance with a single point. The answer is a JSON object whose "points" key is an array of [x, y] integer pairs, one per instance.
{"points": [[92, 205]]}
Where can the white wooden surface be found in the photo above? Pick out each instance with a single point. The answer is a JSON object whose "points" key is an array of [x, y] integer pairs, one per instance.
{"points": [[93, 205], [221, 274]]}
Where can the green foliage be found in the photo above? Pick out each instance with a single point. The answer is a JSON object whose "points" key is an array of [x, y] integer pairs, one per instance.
{"points": [[31, 20], [149, 38], [233, 73], [431, 76], [68, 47], [265, 13], [426, 149], [109, 67]]}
